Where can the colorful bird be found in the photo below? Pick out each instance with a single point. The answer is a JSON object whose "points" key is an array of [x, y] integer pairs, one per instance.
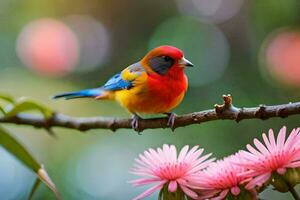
{"points": [[154, 85]]}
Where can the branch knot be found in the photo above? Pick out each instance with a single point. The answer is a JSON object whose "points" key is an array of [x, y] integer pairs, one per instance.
{"points": [[227, 105], [261, 112]]}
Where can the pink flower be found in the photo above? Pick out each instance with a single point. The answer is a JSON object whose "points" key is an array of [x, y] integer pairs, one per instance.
{"points": [[272, 156], [163, 168], [221, 178]]}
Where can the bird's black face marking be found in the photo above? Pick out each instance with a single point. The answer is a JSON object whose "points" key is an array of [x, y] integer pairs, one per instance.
{"points": [[161, 64]]}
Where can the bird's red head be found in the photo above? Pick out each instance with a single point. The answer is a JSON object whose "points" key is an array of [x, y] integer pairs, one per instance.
{"points": [[164, 58]]}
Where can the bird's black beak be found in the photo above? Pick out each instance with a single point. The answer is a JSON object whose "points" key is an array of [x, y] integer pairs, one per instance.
{"points": [[185, 63]]}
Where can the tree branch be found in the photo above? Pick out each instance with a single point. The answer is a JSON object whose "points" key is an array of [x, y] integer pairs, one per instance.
{"points": [[224, 111]]}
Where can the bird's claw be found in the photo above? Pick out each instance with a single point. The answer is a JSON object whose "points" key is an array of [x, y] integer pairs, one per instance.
{"points": [[171, 120], [135, 123]]}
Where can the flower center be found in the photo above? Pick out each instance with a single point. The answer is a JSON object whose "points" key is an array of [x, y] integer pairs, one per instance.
{"points": [[172, 171]]}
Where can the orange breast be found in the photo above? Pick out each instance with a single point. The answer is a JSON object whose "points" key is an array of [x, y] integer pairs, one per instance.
{"points": [[159, 94]]}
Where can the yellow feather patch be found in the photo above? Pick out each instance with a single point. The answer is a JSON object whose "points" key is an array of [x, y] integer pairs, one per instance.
{"points": [[127, 75]]}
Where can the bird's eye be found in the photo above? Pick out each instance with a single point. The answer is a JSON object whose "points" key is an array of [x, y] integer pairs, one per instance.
{"points": [[167, 58]]}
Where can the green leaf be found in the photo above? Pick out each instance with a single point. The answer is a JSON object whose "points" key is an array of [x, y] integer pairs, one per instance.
{"points": [[37, 183], [14, 147], [29, 105], [2, 110], [7, 98], [19, 151]]}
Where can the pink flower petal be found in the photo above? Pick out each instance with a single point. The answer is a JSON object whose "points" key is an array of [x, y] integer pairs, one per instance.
{"points": [[272, 139], [221, 196], [266, 140], [258, 181], [281, 171], [235, 191], [166, 152], [253, 150], [260, 147], [172, 186], [155, 155], [144, 181], [281, 137], [183, 153], [150, 191], [294, 164], [188, 155], [173, 154], [189, 192], [292, 139]]}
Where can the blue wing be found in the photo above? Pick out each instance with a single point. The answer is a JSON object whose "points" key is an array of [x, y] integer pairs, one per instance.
{"points": [[117, 83], [114, 83], [125, 79]]}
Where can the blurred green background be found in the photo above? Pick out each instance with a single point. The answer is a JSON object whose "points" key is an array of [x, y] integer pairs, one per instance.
{"points": [[250, 49]]}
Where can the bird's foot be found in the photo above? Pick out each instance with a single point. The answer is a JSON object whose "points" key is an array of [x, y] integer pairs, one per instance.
{"points": [[171, 120], [135, 123]]}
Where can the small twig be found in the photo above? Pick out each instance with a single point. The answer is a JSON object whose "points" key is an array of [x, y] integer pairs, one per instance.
{"points": [[225, 111]]}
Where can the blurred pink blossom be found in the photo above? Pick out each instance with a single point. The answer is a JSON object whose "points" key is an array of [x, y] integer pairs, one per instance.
{"points": [[282, 56], [163, 168], [49, 47]]}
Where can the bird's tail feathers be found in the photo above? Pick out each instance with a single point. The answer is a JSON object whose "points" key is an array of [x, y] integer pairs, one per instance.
{"points": [[80, 94]]}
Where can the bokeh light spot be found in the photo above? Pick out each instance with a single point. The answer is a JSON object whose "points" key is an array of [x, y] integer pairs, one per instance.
{"points": [[93, 39], [203, 44], [215, 11], [281, 56], [48, 47]]}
